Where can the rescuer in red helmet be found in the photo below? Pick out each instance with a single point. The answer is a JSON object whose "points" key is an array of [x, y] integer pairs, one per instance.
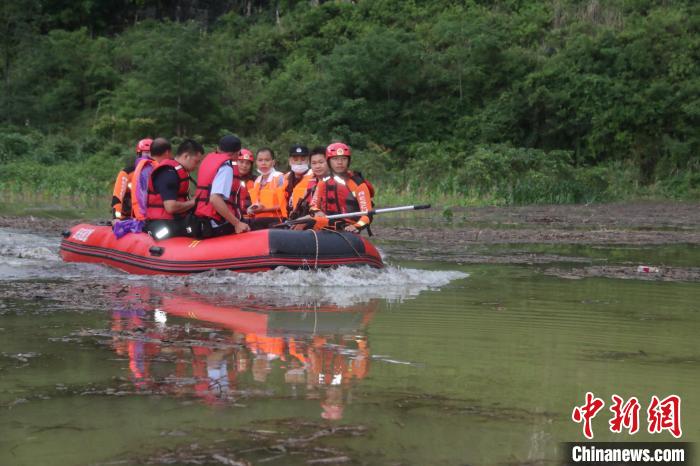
{"points": [[245, 175], [121, 196], [342, 191], [245, 168]]}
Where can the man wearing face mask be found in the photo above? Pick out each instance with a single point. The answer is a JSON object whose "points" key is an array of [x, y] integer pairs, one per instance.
{"points": [[297, 180]]}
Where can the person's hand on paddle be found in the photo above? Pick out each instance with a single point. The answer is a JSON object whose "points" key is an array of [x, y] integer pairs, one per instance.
{"points": [[304, 223], [351, 229], [254, 208]]}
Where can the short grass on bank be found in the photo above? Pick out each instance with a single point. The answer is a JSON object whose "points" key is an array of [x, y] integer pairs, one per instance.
{"points": [[96, 205]]}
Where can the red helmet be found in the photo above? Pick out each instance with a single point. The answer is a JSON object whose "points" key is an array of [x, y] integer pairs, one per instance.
{"points": [[336, 149], [246, 154], [144, 145]]}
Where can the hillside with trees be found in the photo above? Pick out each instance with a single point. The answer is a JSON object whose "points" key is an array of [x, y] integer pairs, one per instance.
{"points": [[512, 101]]}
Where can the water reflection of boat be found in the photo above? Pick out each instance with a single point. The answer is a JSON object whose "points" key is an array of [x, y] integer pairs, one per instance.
{"points": [[183, 344], [255, 251], [258, 319]]}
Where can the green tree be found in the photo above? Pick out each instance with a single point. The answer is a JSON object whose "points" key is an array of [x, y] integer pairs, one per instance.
{"points": [[171, 85], [366, 89], [64, 75]]}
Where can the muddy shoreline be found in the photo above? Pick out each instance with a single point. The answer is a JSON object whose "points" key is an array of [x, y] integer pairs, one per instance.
{"points": [[617, 223], [648, 223]]}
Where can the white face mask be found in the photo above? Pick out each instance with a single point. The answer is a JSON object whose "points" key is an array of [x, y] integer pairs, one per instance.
{"points": [[264, 173], [300, 168]]}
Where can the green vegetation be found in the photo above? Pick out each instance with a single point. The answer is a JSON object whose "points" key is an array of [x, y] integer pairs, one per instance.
{"points": [[513, 101]]}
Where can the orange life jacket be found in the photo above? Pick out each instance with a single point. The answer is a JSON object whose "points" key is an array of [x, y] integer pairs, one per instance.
{"points": [[294, 190], [248, 182], [303, 203], [207, 172], [270, 194], [121, 195], [155, 208]]}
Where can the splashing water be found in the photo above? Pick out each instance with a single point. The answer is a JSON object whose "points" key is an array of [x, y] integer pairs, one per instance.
{"points": [[28, 246], [27, 255], [342, 286], [24, 255]]}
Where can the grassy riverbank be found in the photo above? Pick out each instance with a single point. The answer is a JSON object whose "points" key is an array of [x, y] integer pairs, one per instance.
{"points": [[492, 175]]}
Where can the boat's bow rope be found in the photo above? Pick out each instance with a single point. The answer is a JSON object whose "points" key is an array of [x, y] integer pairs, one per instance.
{"points": [[317, 248]]}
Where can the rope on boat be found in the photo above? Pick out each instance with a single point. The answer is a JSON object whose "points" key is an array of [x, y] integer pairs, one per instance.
{"points": [[317, 248], [346, 240]]}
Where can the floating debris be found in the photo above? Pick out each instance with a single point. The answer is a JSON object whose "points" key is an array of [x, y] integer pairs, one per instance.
{"points": [[22, 357], [666, 274], [288, 438]]}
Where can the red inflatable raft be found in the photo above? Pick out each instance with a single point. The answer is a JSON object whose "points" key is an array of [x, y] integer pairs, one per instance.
{"points": [[255, 251]]}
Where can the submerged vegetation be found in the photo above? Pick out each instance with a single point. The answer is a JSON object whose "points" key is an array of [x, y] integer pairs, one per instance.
{"points": [[515, 101]]}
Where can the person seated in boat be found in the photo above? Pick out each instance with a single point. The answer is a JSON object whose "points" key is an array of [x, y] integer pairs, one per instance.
{"points": [[342, 191], [121, 194], [297, 179], [218, 199], [246, 176], [268, 204], [230, 148], [319, 170], [161, 150], [168, 192], [245, 168], [319, 165]]}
